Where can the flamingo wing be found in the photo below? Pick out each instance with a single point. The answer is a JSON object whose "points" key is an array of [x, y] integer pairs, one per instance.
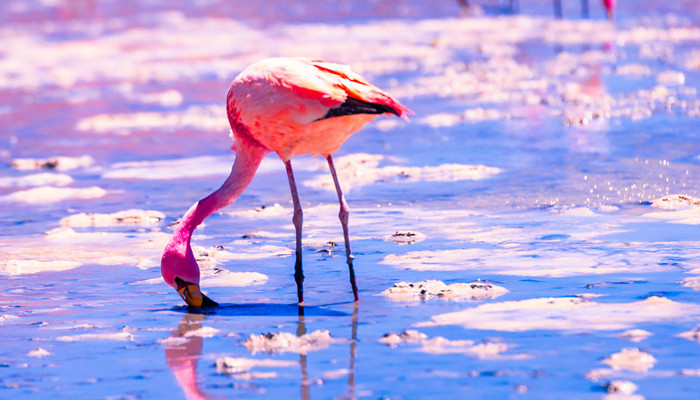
{"points": [[361, 97]]}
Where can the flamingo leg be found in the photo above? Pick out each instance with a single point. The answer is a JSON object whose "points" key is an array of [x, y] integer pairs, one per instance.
{"points": [[344, 215], [584, 9], [557, 9], [298, 219]]}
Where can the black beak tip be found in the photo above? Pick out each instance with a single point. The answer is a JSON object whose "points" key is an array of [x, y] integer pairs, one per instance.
{"points": [[208, 303]]}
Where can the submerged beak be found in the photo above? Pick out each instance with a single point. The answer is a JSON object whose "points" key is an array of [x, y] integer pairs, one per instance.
{"points": [[192, 295]]}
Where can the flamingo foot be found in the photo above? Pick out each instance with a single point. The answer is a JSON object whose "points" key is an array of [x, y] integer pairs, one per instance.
{"points": [[193, 296]]}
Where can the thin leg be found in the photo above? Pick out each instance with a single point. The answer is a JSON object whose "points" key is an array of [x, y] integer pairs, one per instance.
{"points": [[343, 215], [298, 221], [557, 9], [584, 9]]}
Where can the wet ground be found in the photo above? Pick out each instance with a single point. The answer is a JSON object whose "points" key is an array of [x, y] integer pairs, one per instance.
{"points": [[547, 188]]}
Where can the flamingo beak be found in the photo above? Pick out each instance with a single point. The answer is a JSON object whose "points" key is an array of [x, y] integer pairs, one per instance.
{"points": [[193, 296]]}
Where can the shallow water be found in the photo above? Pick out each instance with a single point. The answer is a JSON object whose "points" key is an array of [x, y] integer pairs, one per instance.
{"points": [[538, 162]]}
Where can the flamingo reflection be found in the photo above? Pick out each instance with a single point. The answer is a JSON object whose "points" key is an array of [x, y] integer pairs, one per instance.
{"points": [[183, 351], [183, 354]]}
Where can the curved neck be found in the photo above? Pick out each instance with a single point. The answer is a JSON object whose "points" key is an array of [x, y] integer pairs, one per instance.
{"points": [[247, 161]]}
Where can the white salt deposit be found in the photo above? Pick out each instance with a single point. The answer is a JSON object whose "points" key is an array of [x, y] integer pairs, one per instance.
{"points": [[238, 364], [285, 342], [126, 217], [89, 337], [621, 387], [363, 169], [171, 169], [393, 339], [566, 313], [406, 291], [272, 211], [211, 256], [693, 334], [50, 194], [59, 163], [40, 352], [210, 118], [516, 259], [441, 345], [675, 202], [670, 78], [21, 267], [631, 359], [633, 70], [635, 335], [226, 278], [41, 179], [693, 283], [405, 237], [335, 374], [6, 319], [205, 332], [679, 209], [173, 341], [445, 120]]}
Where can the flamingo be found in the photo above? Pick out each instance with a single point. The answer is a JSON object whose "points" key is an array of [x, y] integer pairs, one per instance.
{"points": [[289, 106], [608, 5]]}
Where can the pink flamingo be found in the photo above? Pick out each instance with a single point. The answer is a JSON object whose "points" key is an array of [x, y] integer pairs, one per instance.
{"points": [[288, 106]]}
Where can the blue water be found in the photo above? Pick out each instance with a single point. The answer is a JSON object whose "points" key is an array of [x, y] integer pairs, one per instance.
{"points": [[86, 58]]}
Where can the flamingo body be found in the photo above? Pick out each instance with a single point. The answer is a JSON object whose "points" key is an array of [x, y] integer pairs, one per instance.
{"points": [[283, 104], [289, 106]]}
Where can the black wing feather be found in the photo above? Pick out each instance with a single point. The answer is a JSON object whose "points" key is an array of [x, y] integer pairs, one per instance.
{"points": [[355, 106]]}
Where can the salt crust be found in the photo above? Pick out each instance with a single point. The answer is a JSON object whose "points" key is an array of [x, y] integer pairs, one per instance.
{"points": [[126, 217], [181, 168], [362, 169], [41, 179], [693, 334], [679, 209], [693, 283], [191, 167], [173, 341], [335, 374], [63, 248], [50, 194], [211, 118], [676, 202], [21, 267], [7, 319], [631, 359], [670, 78], [635, 335], [40, 352], [272, 211], [565, 313], [88, 337], [232, 365], [205, 332], [441, 345], [405, 237], [285, 342], [621, 387], [59, 163], [406, 291], [511, 259], [218, 277]]}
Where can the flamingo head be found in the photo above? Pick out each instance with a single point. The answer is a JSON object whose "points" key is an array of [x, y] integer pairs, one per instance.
{"points": [[192, 295], [609, 6], [180, 270]]}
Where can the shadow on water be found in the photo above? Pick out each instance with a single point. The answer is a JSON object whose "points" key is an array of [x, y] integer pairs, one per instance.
{"points": [[263, 309], [185, 349]]}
